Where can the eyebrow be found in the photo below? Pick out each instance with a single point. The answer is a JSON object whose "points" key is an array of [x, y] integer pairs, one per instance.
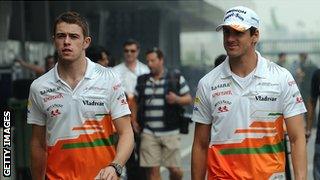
{"points": [[70, 34]]}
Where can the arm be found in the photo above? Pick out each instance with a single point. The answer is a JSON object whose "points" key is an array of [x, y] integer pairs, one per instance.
{"points": [[311, 105], [124, 147], [38, 152], [298, 146], [182, 100], [32, 67], [134, 111], [199, 151], [125, 143]]}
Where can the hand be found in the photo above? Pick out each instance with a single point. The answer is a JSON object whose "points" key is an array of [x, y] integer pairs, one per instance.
{"points": [[172, 98], [136, 127], [107, 173]]}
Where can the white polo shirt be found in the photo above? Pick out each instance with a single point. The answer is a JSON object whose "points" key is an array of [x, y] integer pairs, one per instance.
{"points": [[247, 121], [128, 77], [78, 123]]}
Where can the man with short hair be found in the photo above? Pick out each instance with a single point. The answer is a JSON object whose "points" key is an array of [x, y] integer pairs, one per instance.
{"points": [[131, 68], [75, 109], [160, 96], [128, 72], [241, 106]]}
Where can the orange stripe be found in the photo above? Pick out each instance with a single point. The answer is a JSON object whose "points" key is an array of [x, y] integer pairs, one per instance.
{"points": [[255, 131], [263, 124], [92, 122], [86, 128], [82, 163]]}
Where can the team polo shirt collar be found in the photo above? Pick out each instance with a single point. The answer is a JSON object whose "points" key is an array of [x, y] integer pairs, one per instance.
{"points": [[260, 69], [89, 74]]}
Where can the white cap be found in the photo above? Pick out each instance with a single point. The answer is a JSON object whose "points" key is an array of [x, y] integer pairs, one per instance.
{"points": [[240, 18]]}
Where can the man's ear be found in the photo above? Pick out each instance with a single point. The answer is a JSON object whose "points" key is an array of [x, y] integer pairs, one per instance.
{"points": [[256, 36], [87, 41]]}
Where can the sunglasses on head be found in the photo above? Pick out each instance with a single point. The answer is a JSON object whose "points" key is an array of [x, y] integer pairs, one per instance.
{"points": [[130, 50]]}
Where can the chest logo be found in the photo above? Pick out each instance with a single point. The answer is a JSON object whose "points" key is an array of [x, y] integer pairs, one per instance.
{"points": [[265, 98]]}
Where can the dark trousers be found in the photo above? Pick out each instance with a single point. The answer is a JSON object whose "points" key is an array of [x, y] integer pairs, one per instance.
{"points": [[134, 171]]}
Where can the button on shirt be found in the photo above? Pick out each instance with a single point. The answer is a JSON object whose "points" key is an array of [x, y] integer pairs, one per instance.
{"points": [[247, 121]]}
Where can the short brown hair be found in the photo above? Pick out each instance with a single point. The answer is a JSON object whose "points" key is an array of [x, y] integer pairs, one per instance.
{"points": [[72, 17], [155, 50], [130, 42]]}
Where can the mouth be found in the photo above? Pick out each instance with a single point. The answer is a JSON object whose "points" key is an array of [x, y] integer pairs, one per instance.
{"points": [[231, 46], [64, 51]]}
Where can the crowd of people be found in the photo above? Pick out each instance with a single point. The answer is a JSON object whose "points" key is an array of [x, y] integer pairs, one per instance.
{"points": [[94, 120]]}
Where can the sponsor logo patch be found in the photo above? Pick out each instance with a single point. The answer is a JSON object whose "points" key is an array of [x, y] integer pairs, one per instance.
{"points": [[116, 87], [265, 98], [222, 102], [222, 109], [92, 103], [291, 83], [222, 93], [49, 90], [49, 98], [299, 99], [55, 113], [222, 85]]}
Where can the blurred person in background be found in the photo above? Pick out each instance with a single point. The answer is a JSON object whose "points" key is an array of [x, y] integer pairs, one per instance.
{"points": [[100, 55], [302, 71], [50, 61], [282, 60], [75, 109], [131, 68], [160, 97], [238, 102], [219, 59], [128, 71], [312, 103]]}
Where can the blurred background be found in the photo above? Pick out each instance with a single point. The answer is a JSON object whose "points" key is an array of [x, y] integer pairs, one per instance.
{"points": [[184, 30]]}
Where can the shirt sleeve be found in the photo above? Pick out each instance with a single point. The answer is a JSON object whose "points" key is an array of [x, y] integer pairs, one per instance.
{"points": [[118, 101], [201, 108], [35, 114], [292, 100], [184, 88]]}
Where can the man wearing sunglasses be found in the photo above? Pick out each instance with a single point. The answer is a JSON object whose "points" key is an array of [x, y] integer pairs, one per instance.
{"points": [[128, 71], [131, 68]]}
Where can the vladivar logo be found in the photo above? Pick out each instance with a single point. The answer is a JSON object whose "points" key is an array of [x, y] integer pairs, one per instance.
{"points": [[6, 143]]}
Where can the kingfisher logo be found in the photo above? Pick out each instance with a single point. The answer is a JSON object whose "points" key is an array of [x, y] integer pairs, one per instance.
{"points": [[55, 113], [222, 102], [265, 98], [299, 99], [116, 87], [92, 103], [124, 101], [54, 106], [121, 96], [291, 83], [222, 109]]}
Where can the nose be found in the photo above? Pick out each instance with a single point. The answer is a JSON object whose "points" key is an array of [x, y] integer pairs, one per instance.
{"points": [[67, 40]]}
